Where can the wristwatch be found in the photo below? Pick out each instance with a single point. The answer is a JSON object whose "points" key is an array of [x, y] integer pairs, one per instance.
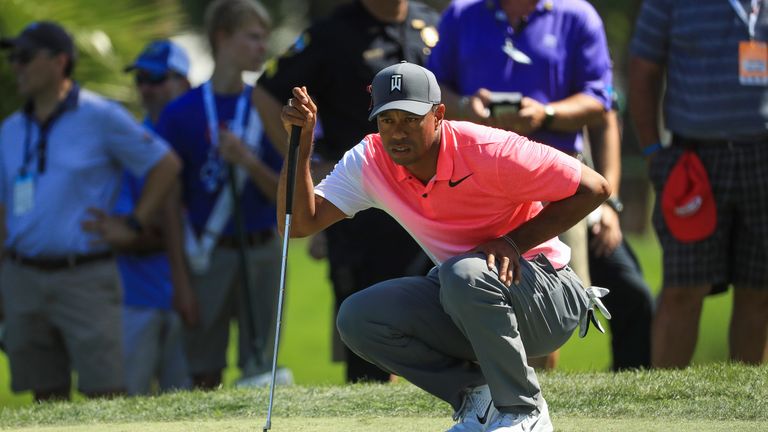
{"points": [[615, 203], [549, 115]]}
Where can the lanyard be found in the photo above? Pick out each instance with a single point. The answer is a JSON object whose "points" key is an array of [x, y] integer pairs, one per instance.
{"points": [[238, 128], [42, 140], [751, 19]]}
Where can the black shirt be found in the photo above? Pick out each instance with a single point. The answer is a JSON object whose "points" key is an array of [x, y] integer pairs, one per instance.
{"points": [[337, 58]]}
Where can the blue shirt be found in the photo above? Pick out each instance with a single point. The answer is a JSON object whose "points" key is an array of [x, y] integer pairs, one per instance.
{"points": [[698, 41], [89, 146], [564, 39], [146, 278], [185, 126]]}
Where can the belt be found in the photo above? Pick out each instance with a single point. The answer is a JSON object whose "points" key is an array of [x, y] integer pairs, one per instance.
{"points": [[699, 143], [252, 239], [58, 263]]}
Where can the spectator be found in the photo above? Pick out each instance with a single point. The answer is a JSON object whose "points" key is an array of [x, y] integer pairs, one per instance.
{"points": [[153, 345], [612, 262], [221, 141], [461, 332], [712, 56], [552, 52], [366, 35], [61, 156]]}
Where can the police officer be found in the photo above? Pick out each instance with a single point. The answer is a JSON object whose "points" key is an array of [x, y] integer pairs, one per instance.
{"points": [[337, 57]]}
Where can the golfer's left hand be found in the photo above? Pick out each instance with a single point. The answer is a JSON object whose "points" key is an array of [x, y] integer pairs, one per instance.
{"points": [[501, 256]]}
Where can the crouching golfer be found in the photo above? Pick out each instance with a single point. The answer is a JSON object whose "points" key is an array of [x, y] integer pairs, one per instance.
{"points": [[472, 197]]}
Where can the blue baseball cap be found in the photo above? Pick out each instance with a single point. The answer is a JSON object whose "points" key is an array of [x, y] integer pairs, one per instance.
{"points": [[162, 56]]}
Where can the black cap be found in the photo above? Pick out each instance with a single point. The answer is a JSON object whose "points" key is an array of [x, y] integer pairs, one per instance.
{"points": [[404, 86], [42, 34]]}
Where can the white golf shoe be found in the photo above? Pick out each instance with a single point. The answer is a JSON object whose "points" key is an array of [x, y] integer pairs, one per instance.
{"points": [[283, 376], [476, 411], [537, 421]]}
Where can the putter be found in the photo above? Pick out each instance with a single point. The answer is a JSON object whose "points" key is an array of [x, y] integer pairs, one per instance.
{"points": [[293, 148]]}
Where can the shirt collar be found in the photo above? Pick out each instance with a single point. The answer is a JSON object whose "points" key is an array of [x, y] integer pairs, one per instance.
{"points": [[541, 7], [69, 102]]}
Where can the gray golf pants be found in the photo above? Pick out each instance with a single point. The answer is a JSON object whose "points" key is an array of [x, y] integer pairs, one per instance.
{"points": [[460, 327]]}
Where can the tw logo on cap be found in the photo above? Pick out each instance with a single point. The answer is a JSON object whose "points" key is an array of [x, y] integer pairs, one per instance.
{"points": [[396, 83]]}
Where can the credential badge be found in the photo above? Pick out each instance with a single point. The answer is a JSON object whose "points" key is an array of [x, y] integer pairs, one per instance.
{"points": [[395, 83]]}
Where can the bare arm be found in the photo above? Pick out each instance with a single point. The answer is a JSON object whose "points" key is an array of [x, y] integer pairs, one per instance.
{"points": [[269, 110], [311, 213], [571, 113], [184, 299], [575, 112], [605, 140], [158, 184], [558, 216], [115, 230], [555, 218], [645, 79]]}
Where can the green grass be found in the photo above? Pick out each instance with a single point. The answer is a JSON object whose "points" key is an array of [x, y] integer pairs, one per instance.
{"points": [[305, 346], [729, 396]]}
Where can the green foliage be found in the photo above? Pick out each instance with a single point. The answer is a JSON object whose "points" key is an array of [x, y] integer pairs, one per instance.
{"points": [[108, 35]]}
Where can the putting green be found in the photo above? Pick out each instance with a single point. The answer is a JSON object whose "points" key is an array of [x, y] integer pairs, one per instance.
{"points": [[382, 424]]}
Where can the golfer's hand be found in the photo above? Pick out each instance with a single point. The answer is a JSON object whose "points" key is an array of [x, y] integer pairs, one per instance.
{"points": [[501, 256], [299, 111], [606, 233]]}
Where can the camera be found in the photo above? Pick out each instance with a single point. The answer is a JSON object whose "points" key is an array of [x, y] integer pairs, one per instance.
{"points": [[505, 102]]}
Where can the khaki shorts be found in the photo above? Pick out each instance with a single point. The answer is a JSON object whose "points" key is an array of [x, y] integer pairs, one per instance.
{"points": [[576, 239], [221, 299], [59, 321]]}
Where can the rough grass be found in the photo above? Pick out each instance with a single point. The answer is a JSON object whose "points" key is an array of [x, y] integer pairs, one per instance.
{"points": [[717, 396]]}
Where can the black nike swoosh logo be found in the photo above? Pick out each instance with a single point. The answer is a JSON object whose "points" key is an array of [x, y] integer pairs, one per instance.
{"points": [[488, 408], [452, 183]]}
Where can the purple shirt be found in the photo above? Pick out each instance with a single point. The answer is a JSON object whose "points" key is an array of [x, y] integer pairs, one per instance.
{"points": [[564, 40]]}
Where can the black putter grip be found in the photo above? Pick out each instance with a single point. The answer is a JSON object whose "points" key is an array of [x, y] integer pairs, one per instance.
{"points": [[293, 154]]}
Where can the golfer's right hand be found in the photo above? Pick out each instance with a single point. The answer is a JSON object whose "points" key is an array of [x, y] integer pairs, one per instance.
{"points": [[299, 111]]}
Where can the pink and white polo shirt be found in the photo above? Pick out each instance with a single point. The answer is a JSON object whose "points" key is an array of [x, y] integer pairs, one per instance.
{"points": [[488, 182]]}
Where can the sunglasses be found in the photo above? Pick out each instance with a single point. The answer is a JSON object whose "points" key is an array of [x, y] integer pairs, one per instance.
{"points": [[22, 56], [151, 79]]}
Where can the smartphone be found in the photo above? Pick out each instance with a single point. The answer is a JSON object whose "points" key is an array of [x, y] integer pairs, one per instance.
{"points": [[505, 102]]}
